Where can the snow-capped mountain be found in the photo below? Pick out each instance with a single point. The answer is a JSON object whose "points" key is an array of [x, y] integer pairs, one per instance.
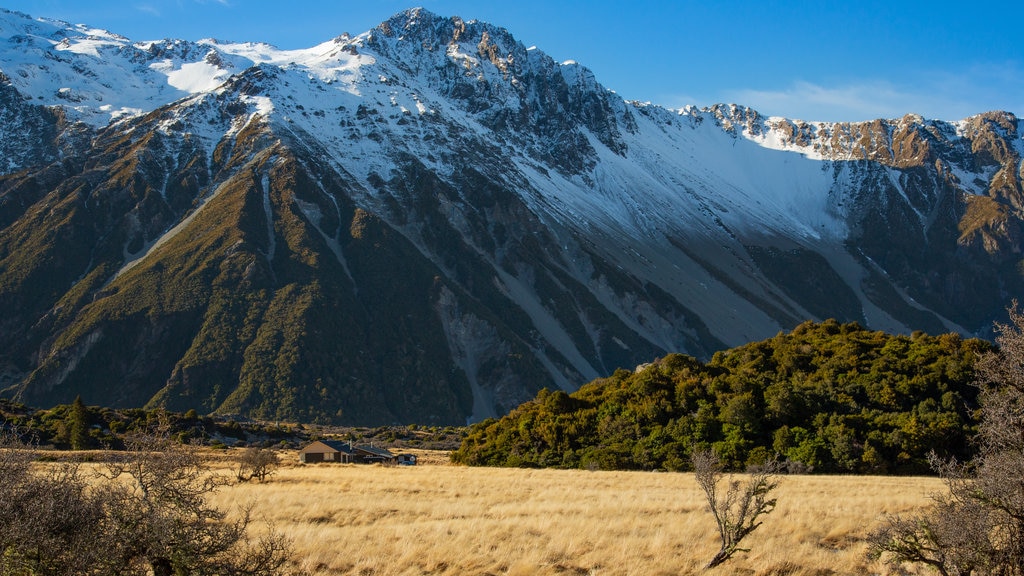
{"points": [[430, 221]]}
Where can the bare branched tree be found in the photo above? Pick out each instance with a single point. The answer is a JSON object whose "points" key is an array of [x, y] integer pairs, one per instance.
{"points": [[258, 463], [168, 527], [951, 539], [977, 528], [741, 509], [47, 517], [150, 517]]}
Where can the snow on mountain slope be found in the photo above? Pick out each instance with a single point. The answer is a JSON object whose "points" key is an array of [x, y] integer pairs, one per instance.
{"points": [[95, 75], [647, 172], [434, 191], [100, 76]]}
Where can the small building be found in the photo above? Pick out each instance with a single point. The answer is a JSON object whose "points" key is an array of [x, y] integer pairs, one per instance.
{"points": [[327, 451], [341, 452], [370, 454]]}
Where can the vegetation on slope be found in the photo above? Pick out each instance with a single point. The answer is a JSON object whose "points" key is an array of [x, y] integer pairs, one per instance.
{"points": [[77, 426], [827, 397]]}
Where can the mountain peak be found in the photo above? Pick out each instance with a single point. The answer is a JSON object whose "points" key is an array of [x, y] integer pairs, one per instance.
{"points": [[428, 222], [411, 17], [435, 30], [14, 23]]}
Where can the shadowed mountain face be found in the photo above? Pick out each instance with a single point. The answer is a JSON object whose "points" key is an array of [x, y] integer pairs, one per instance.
{"points": [[430, 222]]}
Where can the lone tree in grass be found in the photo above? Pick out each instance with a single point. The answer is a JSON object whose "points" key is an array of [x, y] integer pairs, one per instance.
{"points": [[258, 463], [978, 527], [741, 509]]}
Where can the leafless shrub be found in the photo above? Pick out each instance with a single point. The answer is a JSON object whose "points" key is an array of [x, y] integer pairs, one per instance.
{"points": [[166, 525], [47, 516], [951, 539], [150, 517], [978, 527], [258, 463], [740, 510]]}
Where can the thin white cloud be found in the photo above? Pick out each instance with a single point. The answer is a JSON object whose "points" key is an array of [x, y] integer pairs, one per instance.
{"points": [[864, 101], [148, 9], [157, 8], [939, 95]]}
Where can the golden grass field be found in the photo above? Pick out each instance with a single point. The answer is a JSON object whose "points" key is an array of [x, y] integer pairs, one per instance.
{"points": [[451, 520]]}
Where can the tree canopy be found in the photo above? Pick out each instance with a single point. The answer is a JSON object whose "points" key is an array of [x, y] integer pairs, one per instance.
{"points": [[827, 397]]}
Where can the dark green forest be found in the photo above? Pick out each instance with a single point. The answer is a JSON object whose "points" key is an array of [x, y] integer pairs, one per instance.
{"points": [[826, 397]]}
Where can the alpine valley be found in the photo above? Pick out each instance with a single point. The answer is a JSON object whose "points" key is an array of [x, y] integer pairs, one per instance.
{"points": [[430, 221]]}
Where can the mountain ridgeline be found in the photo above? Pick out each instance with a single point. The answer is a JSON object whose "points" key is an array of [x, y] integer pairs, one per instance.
{"points": [[430, 222]]}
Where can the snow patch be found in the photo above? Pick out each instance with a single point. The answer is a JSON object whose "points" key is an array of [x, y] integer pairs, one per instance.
{"points": [[192, 77], [268, 212]]}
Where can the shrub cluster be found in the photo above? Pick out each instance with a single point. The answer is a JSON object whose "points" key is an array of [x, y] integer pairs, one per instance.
{"points": [[76, 426], [826, 397]]}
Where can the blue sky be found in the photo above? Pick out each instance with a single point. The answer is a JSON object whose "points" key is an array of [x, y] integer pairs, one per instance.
{"points": [[833, 61]]}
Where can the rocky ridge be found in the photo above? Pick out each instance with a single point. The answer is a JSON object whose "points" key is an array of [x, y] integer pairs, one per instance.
{"points": [[429, 222]]}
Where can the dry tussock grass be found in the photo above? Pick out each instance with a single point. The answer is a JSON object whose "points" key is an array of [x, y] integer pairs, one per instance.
{"points": [[448, 520]]}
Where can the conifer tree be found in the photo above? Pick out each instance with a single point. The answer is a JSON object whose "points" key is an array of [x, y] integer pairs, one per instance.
{"points": [[78, 425]]}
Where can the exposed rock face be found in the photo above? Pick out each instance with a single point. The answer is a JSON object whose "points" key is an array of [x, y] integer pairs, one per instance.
{"points": [[429, 222]]}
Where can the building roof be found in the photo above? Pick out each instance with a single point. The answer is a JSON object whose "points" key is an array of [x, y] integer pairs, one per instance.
{"points": [[327, 446], [366, 450], [374, 451]]}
